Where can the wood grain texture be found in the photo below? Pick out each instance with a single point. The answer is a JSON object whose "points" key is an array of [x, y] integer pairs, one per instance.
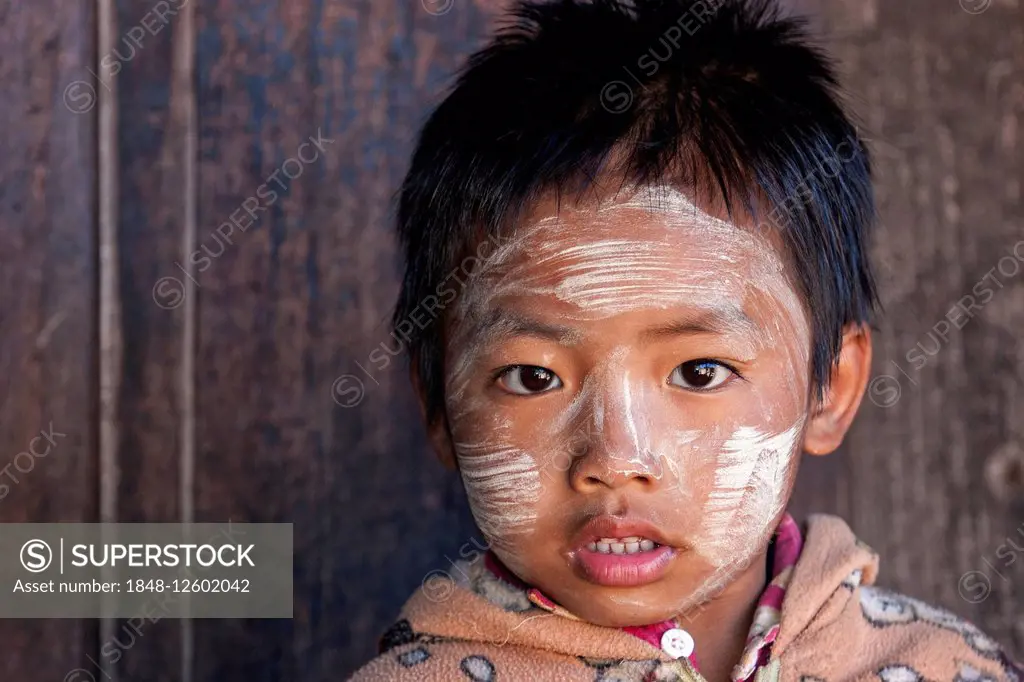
{"points": [[154, 93], [47, 299], [933, 479], [265, 348], [300, 297]]}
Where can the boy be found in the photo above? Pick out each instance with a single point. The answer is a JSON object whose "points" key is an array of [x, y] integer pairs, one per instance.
{"points": [[638, 232]]}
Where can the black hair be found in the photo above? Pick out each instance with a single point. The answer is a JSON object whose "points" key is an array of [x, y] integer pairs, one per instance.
{"points": [[728, 94]]}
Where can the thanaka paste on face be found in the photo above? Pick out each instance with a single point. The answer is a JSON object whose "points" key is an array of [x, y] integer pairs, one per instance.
{"points": [[497, 481], [596, 281]]}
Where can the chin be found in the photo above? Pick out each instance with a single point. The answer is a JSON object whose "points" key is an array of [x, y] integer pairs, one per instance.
{"points": [[617, 615]]}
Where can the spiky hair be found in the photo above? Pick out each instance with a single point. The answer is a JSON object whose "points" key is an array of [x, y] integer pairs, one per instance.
{"points": [[730, 95]]}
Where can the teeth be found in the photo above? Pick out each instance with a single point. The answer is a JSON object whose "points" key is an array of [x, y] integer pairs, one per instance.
{"points": [[630, 545]]}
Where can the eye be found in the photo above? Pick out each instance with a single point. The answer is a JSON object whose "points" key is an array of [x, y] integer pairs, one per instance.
{"points": [[701, 375], [528, 379]]}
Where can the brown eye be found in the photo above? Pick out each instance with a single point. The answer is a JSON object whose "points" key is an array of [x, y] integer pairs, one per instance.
{"points": [[529, 379], [700, 375]]}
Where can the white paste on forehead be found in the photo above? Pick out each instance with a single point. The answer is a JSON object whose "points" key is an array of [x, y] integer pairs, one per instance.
{"points": [[611, 276], [614, 276]]}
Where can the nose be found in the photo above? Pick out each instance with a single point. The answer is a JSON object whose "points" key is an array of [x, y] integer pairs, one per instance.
{"points": [[603, 470], [614, 449]]}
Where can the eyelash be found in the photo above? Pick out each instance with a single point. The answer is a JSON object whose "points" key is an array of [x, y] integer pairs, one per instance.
{"points": [[508, 369], [501, 372], [700, 361]]}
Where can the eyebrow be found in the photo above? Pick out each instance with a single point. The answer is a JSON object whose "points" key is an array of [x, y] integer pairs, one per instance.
{"points": [[503, 323], [722, 320]]}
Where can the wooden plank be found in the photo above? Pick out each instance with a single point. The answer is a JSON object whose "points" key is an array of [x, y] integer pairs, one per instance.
{"points": [[48, 300], [150, 71], [935, 477], [297, 299]]}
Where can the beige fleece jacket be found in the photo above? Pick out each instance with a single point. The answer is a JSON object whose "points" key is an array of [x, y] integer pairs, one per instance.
{"points": [[836, 625]]}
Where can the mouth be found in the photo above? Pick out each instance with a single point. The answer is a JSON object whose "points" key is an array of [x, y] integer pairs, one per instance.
{"points": [[628, 545], [621, 552]]}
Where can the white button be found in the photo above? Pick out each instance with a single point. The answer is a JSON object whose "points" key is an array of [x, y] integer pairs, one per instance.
{"points": [[677, 643]]}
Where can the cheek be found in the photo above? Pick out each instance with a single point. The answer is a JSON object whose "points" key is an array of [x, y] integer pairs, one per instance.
{"points": [[503, 486], [502, 481], [752, 480]]}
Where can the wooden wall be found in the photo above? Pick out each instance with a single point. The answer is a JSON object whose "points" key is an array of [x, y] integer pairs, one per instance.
{"points": [[205, 377], [48, 294]]}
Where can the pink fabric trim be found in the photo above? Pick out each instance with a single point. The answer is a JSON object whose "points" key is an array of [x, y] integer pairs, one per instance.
{"points": [[652, 635]]}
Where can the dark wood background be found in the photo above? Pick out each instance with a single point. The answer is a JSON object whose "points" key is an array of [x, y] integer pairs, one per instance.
{"points": [[225, 406]]}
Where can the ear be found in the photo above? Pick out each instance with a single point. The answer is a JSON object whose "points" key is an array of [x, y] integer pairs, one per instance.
{"points": [[437, 432], [834, 414]]}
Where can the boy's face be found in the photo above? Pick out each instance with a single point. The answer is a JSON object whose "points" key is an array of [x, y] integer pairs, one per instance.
{"points": [[637, 372]]}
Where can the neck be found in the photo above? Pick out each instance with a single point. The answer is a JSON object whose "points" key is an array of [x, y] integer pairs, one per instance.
{"points": [[720, 626]]}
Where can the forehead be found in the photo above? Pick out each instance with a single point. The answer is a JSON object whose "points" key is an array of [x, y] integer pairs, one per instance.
{"points": [[645, 249]]}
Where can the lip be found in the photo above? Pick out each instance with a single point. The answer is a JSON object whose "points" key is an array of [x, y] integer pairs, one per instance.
{"points": [[620, 570]]}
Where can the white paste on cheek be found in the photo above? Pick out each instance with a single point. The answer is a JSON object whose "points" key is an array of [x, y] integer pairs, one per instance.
{"points": [[749, 489], [503, 487], [749, 492], [682, 458]]}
